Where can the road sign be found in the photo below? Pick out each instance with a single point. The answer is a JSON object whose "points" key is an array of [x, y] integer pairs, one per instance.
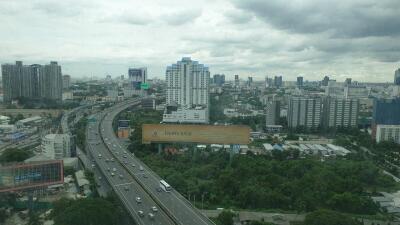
{"points": [[144, 86]]}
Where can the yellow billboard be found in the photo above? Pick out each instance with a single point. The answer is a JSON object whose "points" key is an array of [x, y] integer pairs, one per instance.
{"points": [[204, 134]]}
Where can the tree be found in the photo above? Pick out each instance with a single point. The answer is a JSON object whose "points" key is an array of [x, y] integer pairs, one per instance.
{"points": [[15, 155], [327, 217], [225, 218], [85, 212]]}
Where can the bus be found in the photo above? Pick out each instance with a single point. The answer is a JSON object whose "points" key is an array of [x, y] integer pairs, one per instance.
{"points": [[165, 186]]}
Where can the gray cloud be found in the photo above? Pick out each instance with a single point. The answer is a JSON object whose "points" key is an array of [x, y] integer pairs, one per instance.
{"points": [[238, 16], [181, 17], [342, 18]]}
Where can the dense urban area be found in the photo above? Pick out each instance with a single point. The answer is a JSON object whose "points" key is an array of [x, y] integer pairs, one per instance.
{"points": [[77, 151], [205, 112]]}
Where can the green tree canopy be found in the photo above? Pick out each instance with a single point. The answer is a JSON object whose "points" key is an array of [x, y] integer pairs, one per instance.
{"points": [[87, 211], [15, 155], [327, 217]]}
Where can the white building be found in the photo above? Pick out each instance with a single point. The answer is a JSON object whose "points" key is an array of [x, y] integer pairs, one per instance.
{"points": [[68, 95], [304, 112], [388, 133], [196, 115], [356, 91], [187, 88], [334, 89], [56, 146]]}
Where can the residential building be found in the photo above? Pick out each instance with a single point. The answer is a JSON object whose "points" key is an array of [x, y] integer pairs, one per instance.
{"points": [[388, 133], [136, 77], [304, 112], [397, 77], [385, 112], [334, 89], [347, 82], [237, 81], [300, 81], [187, 89], [56, 146], [219, 79], [19, 81], [249, 81], [355, 91], [325, 81], [50, 81], [278, 81], [66, 82], [272, 112], [340, 112]]}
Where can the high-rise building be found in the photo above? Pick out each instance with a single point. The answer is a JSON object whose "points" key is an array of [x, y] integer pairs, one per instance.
{"points": [[50, 82], [20, 81], [249, 81], [300, 81], [269, 82], [187, 83], [347, 82], [397, 77], [278, 81], [188, 89], [272, 111], [11, 76], [340, 112], [385, 112], [325, 81], [304, 112], [136, 77], [218, 79], [66, 82], [237, 82]]}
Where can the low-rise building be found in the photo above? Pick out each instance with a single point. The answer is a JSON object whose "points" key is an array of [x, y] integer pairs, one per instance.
{"points": [[195, 115], [388, 133], [56, 146]]}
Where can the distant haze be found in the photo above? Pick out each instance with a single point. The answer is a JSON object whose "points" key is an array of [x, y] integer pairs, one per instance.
{"points": [[312, 38]]}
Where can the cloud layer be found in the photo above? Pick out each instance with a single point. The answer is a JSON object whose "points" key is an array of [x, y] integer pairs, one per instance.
{"points": [[256, 38]]}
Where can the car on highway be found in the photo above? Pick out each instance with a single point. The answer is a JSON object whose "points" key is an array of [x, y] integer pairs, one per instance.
{"points": [[154, 209], [141, 168], [138, 199], [112, 174], [133, 165], [141, 213], [151, 216]]}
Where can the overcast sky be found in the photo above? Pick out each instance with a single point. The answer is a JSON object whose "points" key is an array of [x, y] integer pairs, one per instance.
{"points": [[313, 38]]}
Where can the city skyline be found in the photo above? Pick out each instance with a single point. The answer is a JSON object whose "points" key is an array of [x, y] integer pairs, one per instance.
{"points": [[96, 38]]}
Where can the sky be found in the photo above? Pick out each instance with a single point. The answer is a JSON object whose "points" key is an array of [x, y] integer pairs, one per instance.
{"points": [[311, 38]]}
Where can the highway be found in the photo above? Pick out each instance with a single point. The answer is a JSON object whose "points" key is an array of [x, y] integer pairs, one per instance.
{"points": [[181, 211], [123, 183], [137, 179]]}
